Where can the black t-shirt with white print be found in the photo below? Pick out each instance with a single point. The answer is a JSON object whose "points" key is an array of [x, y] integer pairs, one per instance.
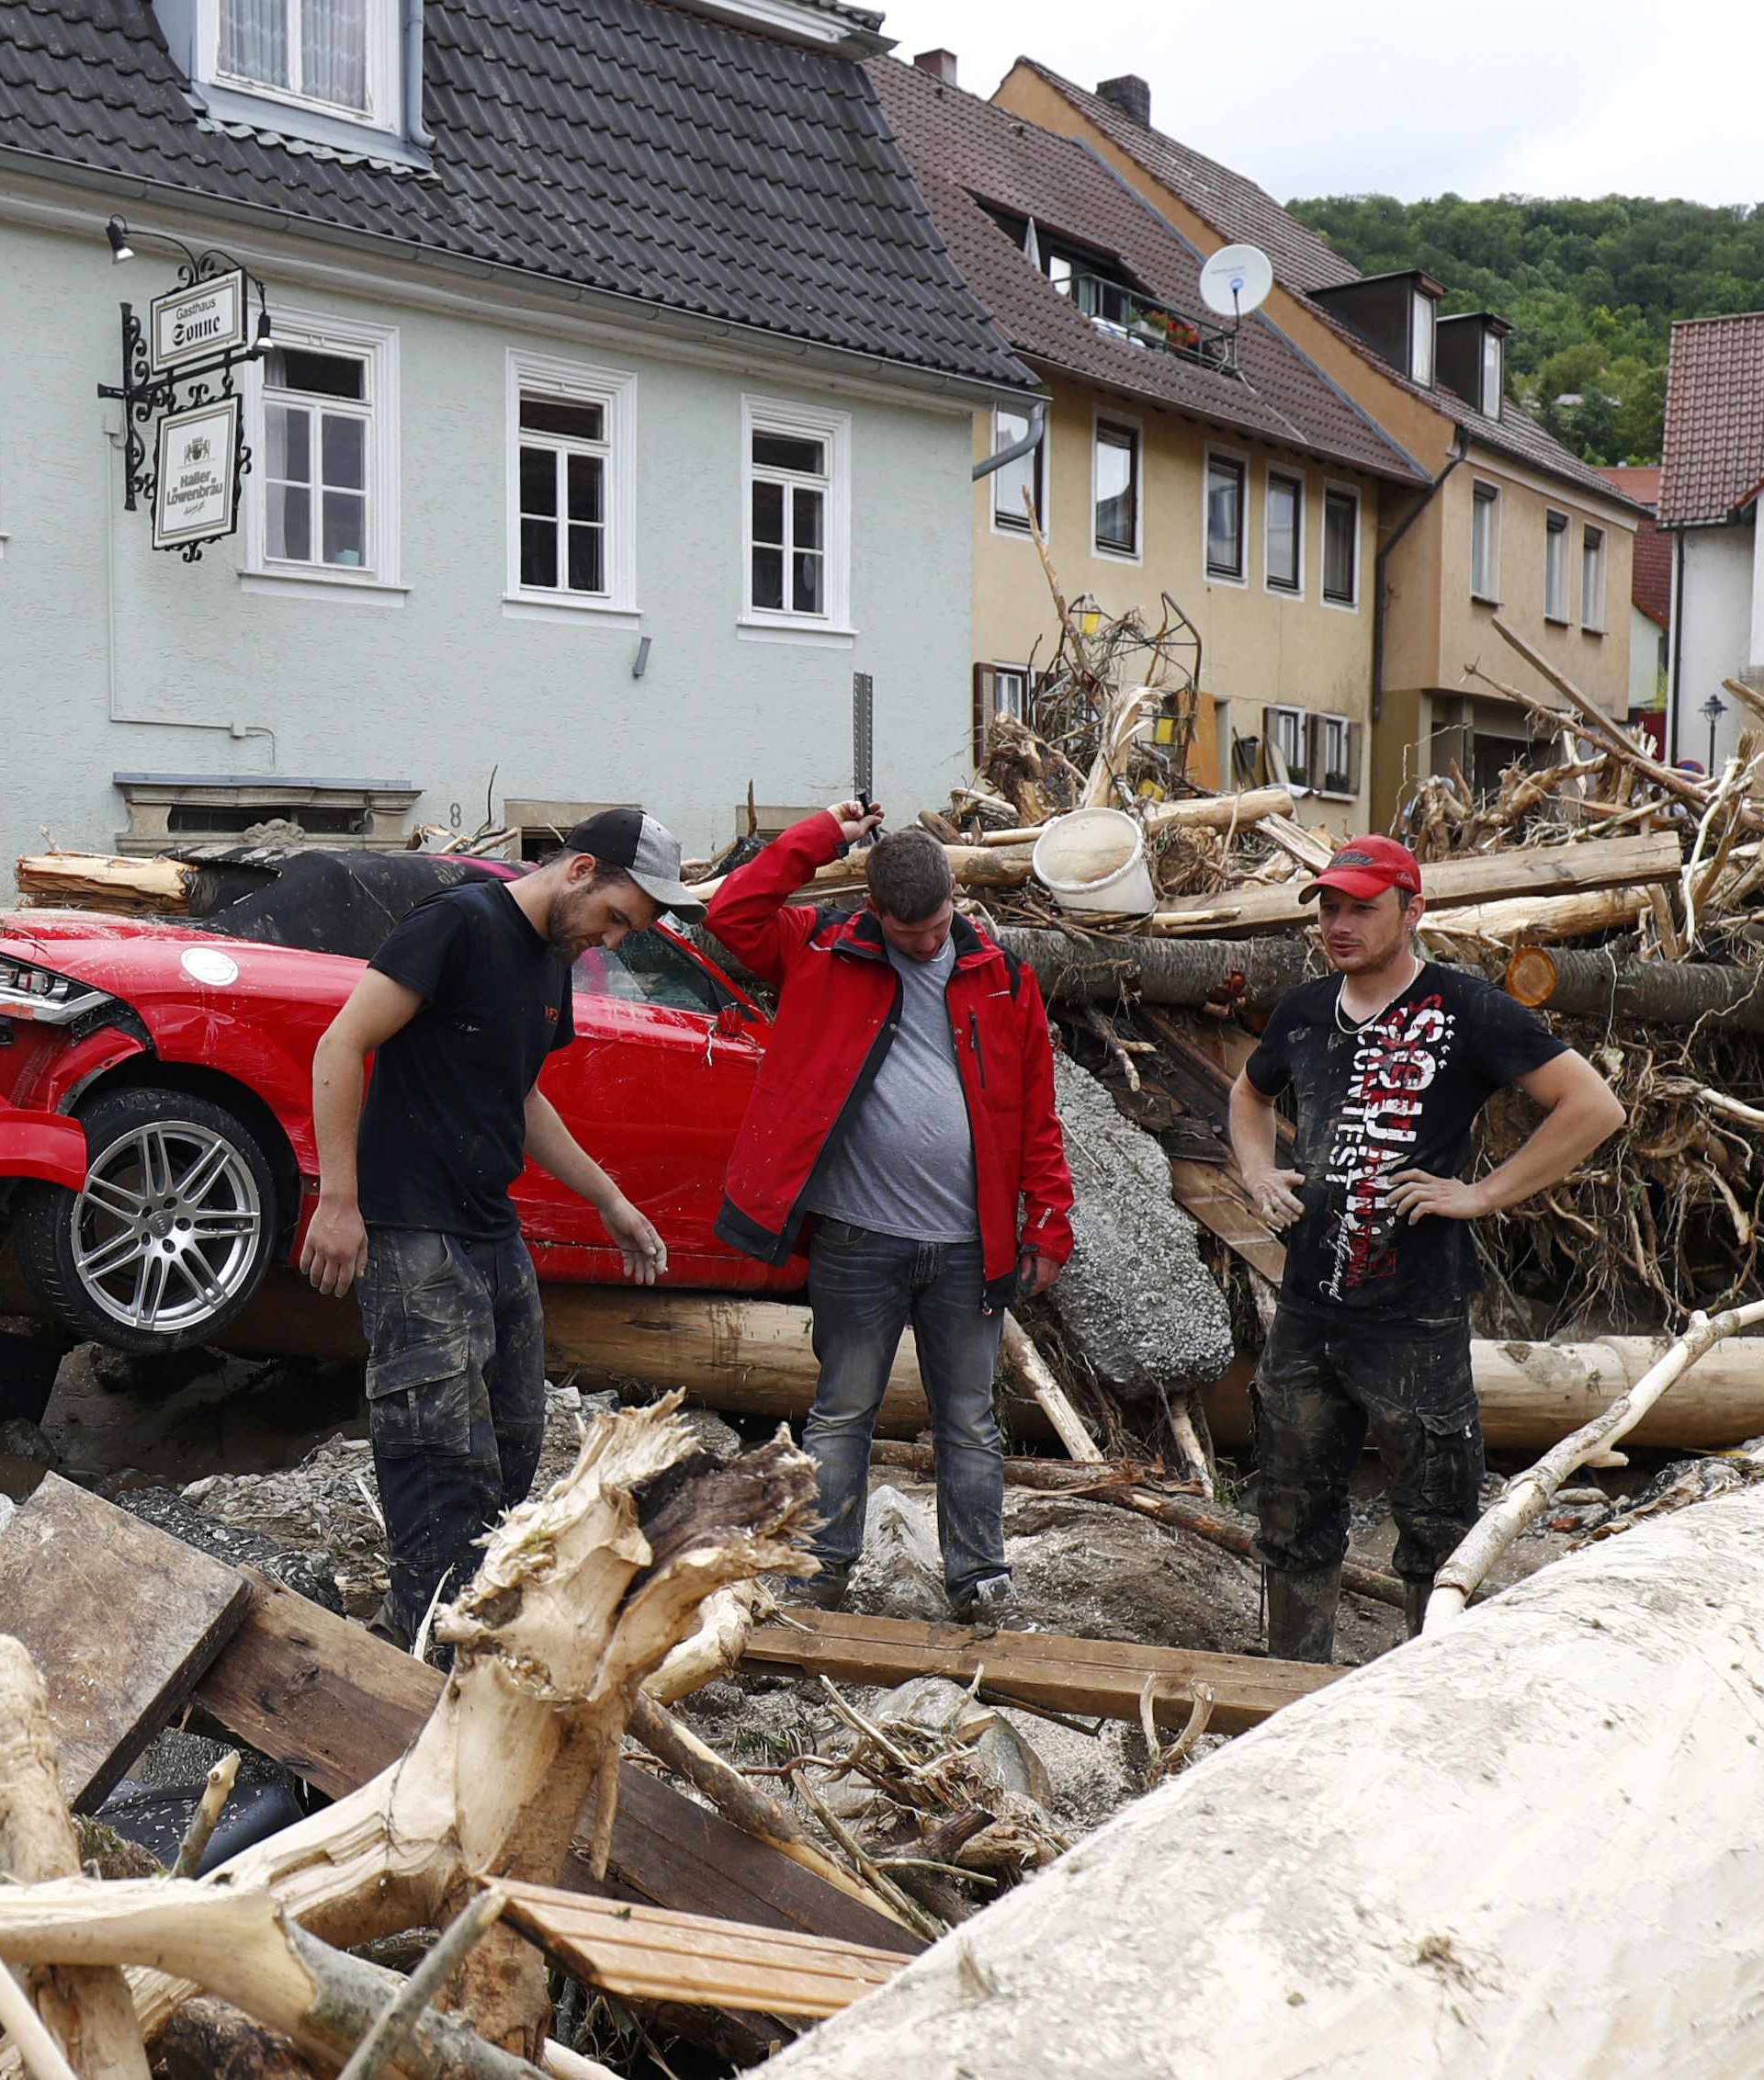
{"points": [[1399, 1093]]}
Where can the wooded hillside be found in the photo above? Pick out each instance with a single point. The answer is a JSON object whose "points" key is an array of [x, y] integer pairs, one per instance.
{"points": [[1592, 287]]}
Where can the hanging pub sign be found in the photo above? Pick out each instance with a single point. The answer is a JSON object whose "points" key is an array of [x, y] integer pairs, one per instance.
{"points": [[197, 324], [196, 486]]}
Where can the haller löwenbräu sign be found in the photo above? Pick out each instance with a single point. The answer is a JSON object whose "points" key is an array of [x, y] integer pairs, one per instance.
{"points": [[196, 490]]}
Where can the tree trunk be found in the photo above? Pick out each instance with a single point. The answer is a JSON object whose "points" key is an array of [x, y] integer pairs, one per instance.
{"points": [[1164, 971], [1545, 1871], [89, 2012], [580, 1595], [90, 879], [1631, 993], [206, 2040], [1533, 920]]}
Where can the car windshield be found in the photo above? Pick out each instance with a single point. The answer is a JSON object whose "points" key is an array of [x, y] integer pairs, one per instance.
{"points": [[345, 902]]}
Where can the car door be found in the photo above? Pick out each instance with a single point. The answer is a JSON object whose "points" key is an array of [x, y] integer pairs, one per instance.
{"points": [[655, 1087]]}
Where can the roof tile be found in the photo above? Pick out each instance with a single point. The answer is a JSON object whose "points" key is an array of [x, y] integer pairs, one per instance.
{"points": [[1714, 420], [638, 150], [962, 148]]}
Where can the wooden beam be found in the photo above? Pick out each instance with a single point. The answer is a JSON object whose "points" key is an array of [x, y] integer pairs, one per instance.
{"points": [[1099, 1677], [337, 1705], [647, 1953], [120, 1618], [1528, 871]]}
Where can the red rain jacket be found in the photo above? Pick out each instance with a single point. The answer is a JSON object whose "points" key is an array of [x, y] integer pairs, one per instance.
{"points": [[838, 1007]]}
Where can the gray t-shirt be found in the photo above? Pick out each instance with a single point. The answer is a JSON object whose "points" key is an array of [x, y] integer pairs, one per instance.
{"points": [[905, 1162]]}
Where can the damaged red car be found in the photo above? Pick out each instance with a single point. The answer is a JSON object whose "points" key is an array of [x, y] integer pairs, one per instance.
{"points": [[156, 1148]]}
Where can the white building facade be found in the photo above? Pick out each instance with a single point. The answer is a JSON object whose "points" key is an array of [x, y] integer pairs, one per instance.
{"points": [[512, 544]]}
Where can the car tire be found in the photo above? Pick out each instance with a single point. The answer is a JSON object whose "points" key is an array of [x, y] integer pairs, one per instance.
{"points": [[171, 1237]]}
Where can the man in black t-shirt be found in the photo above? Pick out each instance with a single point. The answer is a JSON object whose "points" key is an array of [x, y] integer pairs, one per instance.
{"points": [[466, 998], [1389, 1060]]}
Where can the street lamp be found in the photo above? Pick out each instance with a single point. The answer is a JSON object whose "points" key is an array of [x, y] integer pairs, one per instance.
{"points": [[1712, 711]]}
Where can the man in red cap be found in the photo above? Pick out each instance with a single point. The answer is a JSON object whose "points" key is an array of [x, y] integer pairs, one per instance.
{"points": [[1389, 1059]]}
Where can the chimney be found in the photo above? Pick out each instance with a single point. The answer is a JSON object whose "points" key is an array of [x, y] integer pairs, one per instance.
{"points": [[940, 64], [1131, 95]]}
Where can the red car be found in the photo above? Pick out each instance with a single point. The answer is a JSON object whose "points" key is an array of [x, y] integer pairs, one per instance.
{"points": [[182, 1050]]}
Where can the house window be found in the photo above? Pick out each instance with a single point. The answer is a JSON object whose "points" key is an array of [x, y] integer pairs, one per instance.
{"points": [[1592, 580], [1485, 543], [322, 495], [1491, 375], [1342, 548], [1117, 488], [1286, 734], [1556, 568], [798, 529], [337, 56], [1225, 477], [1000, 691], [1285, 532], [1023, 475], [1421, 337], [570, 489], [1099, 296], [1333, 755]]}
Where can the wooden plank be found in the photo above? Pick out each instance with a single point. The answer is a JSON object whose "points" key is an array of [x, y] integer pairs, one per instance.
{"points": [[1521, 870], [337, 1705], [1102, 1677], [648, 1953], [121, 1619], [1214, 1193]]}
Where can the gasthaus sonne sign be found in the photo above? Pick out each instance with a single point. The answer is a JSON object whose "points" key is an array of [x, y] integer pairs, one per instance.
{"points": [[196, 490], [197, 324]]}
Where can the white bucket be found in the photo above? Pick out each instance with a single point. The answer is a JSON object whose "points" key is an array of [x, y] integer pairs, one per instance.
{"points": [[1094, 859]]}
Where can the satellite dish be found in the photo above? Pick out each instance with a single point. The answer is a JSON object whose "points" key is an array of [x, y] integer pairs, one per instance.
{"points": [[1236, 280]]}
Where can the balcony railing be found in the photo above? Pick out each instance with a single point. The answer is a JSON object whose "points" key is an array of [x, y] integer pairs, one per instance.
{"points": [[1142, 321]]}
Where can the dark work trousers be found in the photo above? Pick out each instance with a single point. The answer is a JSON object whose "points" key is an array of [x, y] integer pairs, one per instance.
{"points": [[863, 1288], [1320, 1389], [456, 1399]]}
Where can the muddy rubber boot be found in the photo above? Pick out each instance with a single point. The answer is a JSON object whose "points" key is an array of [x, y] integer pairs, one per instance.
{"points": [[1301, 1612], [1415, 1596]]}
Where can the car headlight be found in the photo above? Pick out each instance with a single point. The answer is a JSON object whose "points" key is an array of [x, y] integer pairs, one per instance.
{"points": [[41, 995]]}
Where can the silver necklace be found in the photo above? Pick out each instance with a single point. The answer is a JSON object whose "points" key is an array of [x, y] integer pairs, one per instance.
{"points": [[1358, 1025]]}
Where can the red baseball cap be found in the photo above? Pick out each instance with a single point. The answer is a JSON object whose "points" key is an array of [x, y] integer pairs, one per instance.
{"points": [[1366, 867]]}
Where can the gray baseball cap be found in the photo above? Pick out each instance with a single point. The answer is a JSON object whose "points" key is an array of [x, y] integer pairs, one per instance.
{"points": [[647, 851]]}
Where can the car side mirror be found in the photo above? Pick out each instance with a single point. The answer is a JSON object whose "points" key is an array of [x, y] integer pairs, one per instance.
{"points": [[730, 1022]]}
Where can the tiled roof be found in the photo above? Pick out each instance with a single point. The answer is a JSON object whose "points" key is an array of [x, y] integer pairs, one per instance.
{"points": [[1714, 419], [1239, 210], [1650, 584], [962, 148], [1231, 202], [629, 148]]}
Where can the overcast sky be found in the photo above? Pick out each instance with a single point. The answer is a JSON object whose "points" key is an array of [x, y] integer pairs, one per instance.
{"points": [[1407, 98]]}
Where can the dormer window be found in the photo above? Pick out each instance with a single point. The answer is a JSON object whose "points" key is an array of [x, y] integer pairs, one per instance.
{"points": [[1491, 374], [1084, 282], [318, 50], [1421, 338]]}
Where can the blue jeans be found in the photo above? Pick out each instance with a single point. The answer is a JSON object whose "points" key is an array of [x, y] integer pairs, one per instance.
{"points": [[865, 1288], [456, 1399]]}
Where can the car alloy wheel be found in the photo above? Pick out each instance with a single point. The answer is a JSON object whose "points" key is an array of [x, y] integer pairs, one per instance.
{"points": [[164, 1236]]}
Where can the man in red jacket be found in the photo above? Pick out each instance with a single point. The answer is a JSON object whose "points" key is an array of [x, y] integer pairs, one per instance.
{"points": [[903, 1127]]}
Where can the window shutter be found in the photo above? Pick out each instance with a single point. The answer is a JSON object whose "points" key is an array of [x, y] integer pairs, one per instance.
{"points": [[1271, 758], [1356, 752], [982, 708]]}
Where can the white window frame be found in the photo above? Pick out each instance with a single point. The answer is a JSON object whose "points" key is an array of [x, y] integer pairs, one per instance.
{"points": [[1556, 530], [1043, 477], [1316, 767], [385, 82], [1280, 715], [615, 391], [1127, 423], [1213, 453], [1350, 492], [1593, 540], [1484, 583], [1296, 592], [377, 345], [1491, 339], [810, 422], [1422, 312]]}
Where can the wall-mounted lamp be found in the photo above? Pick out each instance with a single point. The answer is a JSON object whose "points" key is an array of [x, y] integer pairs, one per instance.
{"points": [[117, 231]]}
